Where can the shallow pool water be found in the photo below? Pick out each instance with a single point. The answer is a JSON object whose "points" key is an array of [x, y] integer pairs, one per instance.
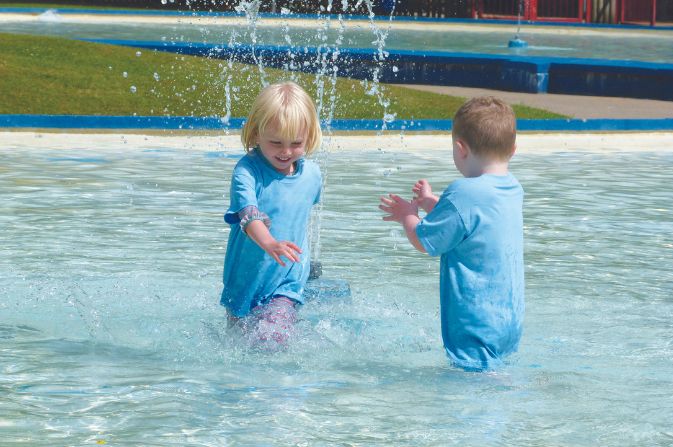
{"points": [[609, 44], [110, 328]]}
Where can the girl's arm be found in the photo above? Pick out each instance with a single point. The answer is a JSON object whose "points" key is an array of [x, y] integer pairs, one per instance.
{"points": [[258, 232], [406, 213], [424, 196]]}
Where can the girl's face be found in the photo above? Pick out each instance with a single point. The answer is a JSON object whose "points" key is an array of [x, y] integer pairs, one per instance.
{"points": [[279, 151]]}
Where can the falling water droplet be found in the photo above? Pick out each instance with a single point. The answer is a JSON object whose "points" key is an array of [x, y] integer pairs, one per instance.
{"points": [[133, 89], [138, 54], [125, 74]]}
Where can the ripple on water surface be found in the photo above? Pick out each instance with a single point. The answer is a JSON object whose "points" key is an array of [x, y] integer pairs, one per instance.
{"points": [[110, 328]]}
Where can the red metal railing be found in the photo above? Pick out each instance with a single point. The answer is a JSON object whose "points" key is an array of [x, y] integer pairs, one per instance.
{"points": [[532, 10], [501, 9], [568, 10], [638, 11]]}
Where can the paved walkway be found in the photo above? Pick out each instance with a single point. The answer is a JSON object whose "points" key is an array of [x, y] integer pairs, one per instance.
{"points": [[583, 107]]}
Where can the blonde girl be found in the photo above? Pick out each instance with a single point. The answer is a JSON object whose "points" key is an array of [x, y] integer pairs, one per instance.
{"points": [[273, 189]]}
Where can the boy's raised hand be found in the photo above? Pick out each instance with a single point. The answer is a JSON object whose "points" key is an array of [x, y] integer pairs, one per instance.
{"points": [[406, 213], [424, 197], [397, 208]]}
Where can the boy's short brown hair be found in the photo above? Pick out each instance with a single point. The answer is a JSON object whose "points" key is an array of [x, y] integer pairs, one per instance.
{"points": [[488, 126]]}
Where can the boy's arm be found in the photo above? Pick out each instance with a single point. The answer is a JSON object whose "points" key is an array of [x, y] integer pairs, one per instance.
{"points": [[406, 213], [258, 232], [410, 223]]}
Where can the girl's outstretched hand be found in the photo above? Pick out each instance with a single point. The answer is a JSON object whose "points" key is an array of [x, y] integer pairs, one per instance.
{"points": [[397, 208], [424, 196], [288, 249], [259, 233]]}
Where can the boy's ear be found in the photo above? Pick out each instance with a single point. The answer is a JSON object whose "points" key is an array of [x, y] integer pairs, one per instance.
{"points": [[463, 148]]}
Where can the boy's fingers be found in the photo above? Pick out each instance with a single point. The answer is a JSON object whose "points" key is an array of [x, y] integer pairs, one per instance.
{"points": [[388, 218], [398, 199]]}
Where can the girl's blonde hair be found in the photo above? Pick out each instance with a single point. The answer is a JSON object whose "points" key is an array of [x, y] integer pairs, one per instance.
{"points": [[288, 106]]}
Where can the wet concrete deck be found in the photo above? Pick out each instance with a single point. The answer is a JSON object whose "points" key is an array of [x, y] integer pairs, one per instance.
{"points": [[575, 106]]}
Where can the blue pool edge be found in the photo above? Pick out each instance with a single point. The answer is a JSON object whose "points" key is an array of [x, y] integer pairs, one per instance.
{"points": [[529, 74], [23, 121]]}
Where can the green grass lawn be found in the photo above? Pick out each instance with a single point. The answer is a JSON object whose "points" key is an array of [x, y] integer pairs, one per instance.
{"points": [[46, 75]]}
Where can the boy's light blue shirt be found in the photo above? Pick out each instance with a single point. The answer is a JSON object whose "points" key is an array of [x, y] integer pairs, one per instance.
{"points": [[251, 276], [477, 228]]}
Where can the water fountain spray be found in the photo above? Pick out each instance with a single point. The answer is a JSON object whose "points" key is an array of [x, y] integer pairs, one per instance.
{"points": [[327, 60], [518, 42]]}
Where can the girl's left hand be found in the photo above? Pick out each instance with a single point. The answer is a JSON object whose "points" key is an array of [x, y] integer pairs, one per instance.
{"points": [[397, 208], [283, 248]]}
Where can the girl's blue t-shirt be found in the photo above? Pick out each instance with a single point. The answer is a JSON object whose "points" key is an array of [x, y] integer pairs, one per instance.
{"points": [[477, 228], [252, 277]]}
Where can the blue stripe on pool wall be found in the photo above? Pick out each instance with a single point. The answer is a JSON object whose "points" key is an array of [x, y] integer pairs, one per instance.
{"points": [[118, 122], [215, 123], [529, 74]]}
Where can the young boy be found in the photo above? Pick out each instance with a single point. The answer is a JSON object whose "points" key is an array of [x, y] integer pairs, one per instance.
{"points": [[477, 228]]}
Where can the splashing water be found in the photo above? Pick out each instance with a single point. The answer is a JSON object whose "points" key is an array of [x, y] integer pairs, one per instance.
{"points": [[517, 42], [50, 15], [519, 15], [326, 62], [325, 65], [380, 58], [110, 328]]}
